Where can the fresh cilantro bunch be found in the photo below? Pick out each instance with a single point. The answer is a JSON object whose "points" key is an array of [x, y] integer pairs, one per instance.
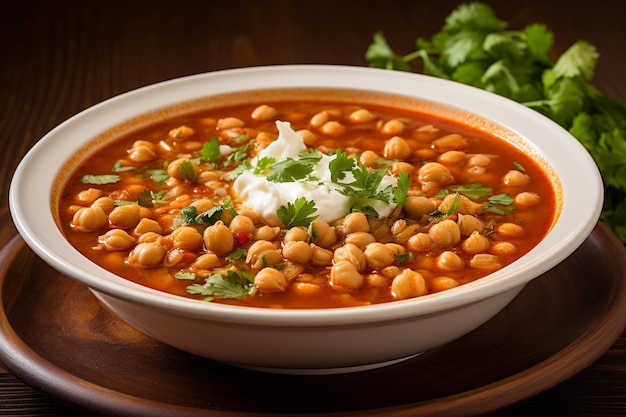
{"points": [[474, 47]]}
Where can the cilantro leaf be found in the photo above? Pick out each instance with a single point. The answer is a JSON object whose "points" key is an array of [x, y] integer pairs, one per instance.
{"points": [[291, 170], [341, 164], [186, 168], [234, 284], [474, 190], [100, 179], [404, 182], [298, 213], [211, 150]]}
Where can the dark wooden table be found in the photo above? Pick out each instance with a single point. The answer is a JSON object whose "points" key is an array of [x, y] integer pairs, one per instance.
{"points": [[60, 57]]}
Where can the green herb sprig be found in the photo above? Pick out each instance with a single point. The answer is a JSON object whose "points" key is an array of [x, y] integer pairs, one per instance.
{"points": [[475, 47]]}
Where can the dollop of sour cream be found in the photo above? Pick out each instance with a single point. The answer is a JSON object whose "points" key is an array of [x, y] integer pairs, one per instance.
{"points": [[266, 197]]}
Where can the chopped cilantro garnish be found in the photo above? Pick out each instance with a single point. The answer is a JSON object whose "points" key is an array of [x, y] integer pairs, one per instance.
{"points": [[186, 168], [298, 213], [234, 284], [474, 190], [158, 175], [211, 150], [237, 254], [99, 179], [119, 167], [183, 275], [290, 170], [401, 191], [340, 165]]}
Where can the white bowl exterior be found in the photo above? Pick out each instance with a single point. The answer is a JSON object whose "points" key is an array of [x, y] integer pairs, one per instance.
{"points": [[34, 180], [297, 349]]}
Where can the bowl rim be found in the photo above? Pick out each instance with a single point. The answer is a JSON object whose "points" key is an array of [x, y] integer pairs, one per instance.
{"points": [[576, 221]]}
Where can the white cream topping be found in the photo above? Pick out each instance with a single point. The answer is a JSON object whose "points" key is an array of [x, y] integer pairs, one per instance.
{"points": [[266, 197]]}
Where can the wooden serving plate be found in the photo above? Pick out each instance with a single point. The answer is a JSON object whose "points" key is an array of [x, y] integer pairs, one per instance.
{"points": [[56, 337]]}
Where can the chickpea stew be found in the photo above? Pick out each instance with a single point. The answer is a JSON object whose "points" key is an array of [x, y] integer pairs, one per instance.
{"points": [[306, 204]]}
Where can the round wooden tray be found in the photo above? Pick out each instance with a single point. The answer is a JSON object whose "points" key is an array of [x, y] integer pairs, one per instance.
{"points": [[56, 337]]}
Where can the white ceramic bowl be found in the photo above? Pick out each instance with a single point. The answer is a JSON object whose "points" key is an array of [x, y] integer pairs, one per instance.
{"points": [[305, 341]]}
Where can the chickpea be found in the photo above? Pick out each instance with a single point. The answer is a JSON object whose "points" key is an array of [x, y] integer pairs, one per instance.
{"points": [[344, 274], [230, 123], [377, 280], [202, 205], [296, 234], [264, 113], [397, 148], [173, 257], [187, 238], [379, 255], [106, 203], [270, 280], [475, 243], [322, 233], [309, 138], [368, 158], [442, 283], [125, 217], [181, 132], [527, 199], [434, 172], [485, 261], [88, 219], [391, 271], [218, 239], [116, 239], [262, 253], [149, 237], [515, 178], [297, 251], [319, 119], [142, 151], [306, 289], [241, 223], [147, 225], [451, 157], [89, 196], [451, 142], [416, 207], [478, 160], [206, 177], [402, 231], [469, 224], [503, 248], [321, 256], [175, 170], [361, 116], [449, 261], [332, 128], [360, 239], [420, 242], [400, 166], [461, 204], [355, 222], [352, 254], [445, 234], [408, 284], [266, 232], [509, 230], [146, 254], [393, 127], [207, 261]]}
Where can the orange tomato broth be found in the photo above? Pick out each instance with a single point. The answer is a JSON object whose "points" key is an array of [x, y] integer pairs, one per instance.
{"points": [[420, 131]]}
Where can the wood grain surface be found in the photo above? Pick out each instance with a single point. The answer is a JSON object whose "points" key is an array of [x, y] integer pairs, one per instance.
{"points": [[61, 57]]}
